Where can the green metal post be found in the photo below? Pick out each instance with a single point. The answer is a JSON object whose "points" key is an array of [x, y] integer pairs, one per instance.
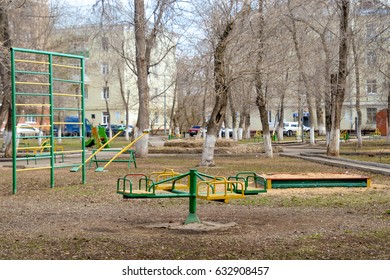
{"points": [[192, 217], [51, 87], [14, 150], [83, 170]]}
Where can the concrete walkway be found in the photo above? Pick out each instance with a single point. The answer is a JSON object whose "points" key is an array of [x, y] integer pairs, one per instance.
{"points": [[318, 155]]}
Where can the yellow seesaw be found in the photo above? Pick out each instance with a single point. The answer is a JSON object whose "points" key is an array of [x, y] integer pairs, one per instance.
{"points": [[125, 149], [77, 168]]}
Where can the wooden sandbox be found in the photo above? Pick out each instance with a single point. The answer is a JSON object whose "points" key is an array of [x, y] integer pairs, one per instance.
{"points": [[312, 180]]}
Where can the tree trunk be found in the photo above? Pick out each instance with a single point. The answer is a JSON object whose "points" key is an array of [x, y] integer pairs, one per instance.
{"points": [[334, 145], [387, 83], [172, 124], [107, 109], [279, 128], [204, 108], [214, 126], [125, 99], [388, 102], [142, 77], [218, 114], [261, 100], [320, 118], [300, 116], [261, 104], [234, 119], [310, 99], [241, 124], [5, 77], [245, 122], [357, 88], [328, 94], [225, 124], [247, 131]]}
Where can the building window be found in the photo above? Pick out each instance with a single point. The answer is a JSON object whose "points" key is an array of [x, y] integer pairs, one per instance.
{"points": [[104, 43], [106, 93], [371, 115], [31, 119], [105, 69], [105, 118], [371, 58], [371, 87]]}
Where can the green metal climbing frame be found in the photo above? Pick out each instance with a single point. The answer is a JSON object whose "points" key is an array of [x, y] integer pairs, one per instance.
{"points": [[48, 82]]}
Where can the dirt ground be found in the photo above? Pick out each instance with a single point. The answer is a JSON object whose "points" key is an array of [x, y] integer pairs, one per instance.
{"points": [[91, 221]]}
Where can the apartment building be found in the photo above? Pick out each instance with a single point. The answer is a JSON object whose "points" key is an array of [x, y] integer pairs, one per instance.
{"points": [[111, 93]]}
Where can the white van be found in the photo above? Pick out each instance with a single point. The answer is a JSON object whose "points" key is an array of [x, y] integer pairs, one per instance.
{"points": [[291, 128]]}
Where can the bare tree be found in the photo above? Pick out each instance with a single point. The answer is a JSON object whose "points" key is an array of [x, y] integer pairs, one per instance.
{"points": [[302, 75], [333, 148], [5, 76], [321, 25], [221, 89], [358, 95], [260, 86]]}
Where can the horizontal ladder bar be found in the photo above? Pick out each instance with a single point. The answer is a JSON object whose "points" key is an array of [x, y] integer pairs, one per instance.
{"points": [[32, 61], [67, 94], [33, 105], [32, 83], [31, 137], [67, 123], [48, 53], [67, 81], [68, 137], [32, 148], [33, 116], [32, 72], [67, 109], [69, 152], [67, 165], [35, 125], [66, 66], [32, 94], [34, 168]]}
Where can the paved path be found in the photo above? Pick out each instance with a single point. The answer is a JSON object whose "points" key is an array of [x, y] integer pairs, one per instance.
{"points": [[318, 155]]}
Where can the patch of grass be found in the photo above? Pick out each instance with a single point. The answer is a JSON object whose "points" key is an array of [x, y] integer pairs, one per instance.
{"points": [[379, 158], [314, 236]]}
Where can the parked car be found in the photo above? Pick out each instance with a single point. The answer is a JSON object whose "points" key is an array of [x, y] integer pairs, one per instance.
{"points": [[123, 127], [72, 126], [25, 129], [291, 128], [194, 130], [115, 128]]}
